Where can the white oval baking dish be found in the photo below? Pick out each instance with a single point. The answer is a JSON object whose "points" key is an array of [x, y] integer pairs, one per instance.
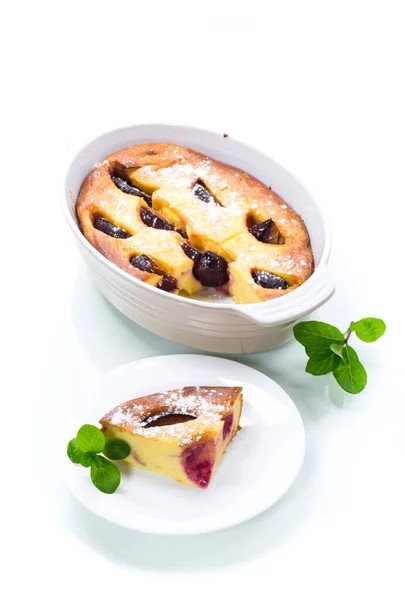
{"points": [[221, 327]]}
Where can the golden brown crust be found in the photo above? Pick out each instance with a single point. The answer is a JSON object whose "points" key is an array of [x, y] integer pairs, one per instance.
{"points": [[195, 400], [210, 405], [169, 172]]}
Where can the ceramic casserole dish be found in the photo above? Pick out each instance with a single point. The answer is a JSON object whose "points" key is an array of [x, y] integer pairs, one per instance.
{"points": [[220, 326]]}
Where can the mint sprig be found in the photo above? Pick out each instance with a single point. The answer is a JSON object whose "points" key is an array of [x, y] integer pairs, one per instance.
{"points": [[85, 448], [329, 352]]}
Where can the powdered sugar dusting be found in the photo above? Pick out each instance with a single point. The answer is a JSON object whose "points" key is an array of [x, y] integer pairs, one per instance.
{"points": [[207, 404]]}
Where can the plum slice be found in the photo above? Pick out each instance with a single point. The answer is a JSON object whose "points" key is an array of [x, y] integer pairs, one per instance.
{"points": [[269, 280], [109, 228], [128, 188], [198, 462], [211, 270], [147, 264], [168, 284], [191, 252], [266, 232], [203, 194], [151, 219], [167, 418]]}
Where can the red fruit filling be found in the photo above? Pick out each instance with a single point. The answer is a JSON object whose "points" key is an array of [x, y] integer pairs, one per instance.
{"points": [[228, 422], [198, 462]]}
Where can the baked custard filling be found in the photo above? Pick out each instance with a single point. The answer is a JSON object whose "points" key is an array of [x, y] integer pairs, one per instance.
{"points": [[183, 222]]}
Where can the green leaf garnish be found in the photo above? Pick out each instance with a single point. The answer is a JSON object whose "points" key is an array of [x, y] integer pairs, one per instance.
{"points": [[116, 449], [328, 350], [369, 329], [350, 373], [90, 439], [337, 348], [315, 335], [85, 449], [73, 451], [96, 459], [322, 362], [105, 475], [87, 458]]}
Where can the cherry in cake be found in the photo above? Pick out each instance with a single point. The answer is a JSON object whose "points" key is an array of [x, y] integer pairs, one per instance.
{"points": [[183, 222], [181, 433]]}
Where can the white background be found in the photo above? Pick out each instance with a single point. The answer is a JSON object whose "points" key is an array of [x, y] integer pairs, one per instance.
{"points": [[320, 87]]}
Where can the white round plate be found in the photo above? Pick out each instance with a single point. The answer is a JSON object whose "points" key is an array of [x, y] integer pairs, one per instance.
{"points": [[259, 466]]}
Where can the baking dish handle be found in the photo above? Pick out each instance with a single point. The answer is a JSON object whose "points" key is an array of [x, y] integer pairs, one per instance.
{"points": [[310, 296]]}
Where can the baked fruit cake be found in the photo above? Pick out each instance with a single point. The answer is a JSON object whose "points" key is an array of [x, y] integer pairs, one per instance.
{"points": [[183, 222], [181, 433]]}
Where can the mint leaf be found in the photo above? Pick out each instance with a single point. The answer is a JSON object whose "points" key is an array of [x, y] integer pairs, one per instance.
{"points": [[105, 475], [90, 439], [96, 460], [315, 335], [73, 451], [116, 449], [337, 348], [87, 458], [350, 373], [322, 362], [369, 329]]}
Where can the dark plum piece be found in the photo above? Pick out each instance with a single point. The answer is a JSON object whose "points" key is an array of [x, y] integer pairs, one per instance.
{"points": [[203, 194], [266, 232], [154, 220], [167, 418], [109, 228], [168, 284], [144, 263], [128, 188], [211, 270], [260, 230], [269, 280], [191, 252], [198, 462], [151, 219]]}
